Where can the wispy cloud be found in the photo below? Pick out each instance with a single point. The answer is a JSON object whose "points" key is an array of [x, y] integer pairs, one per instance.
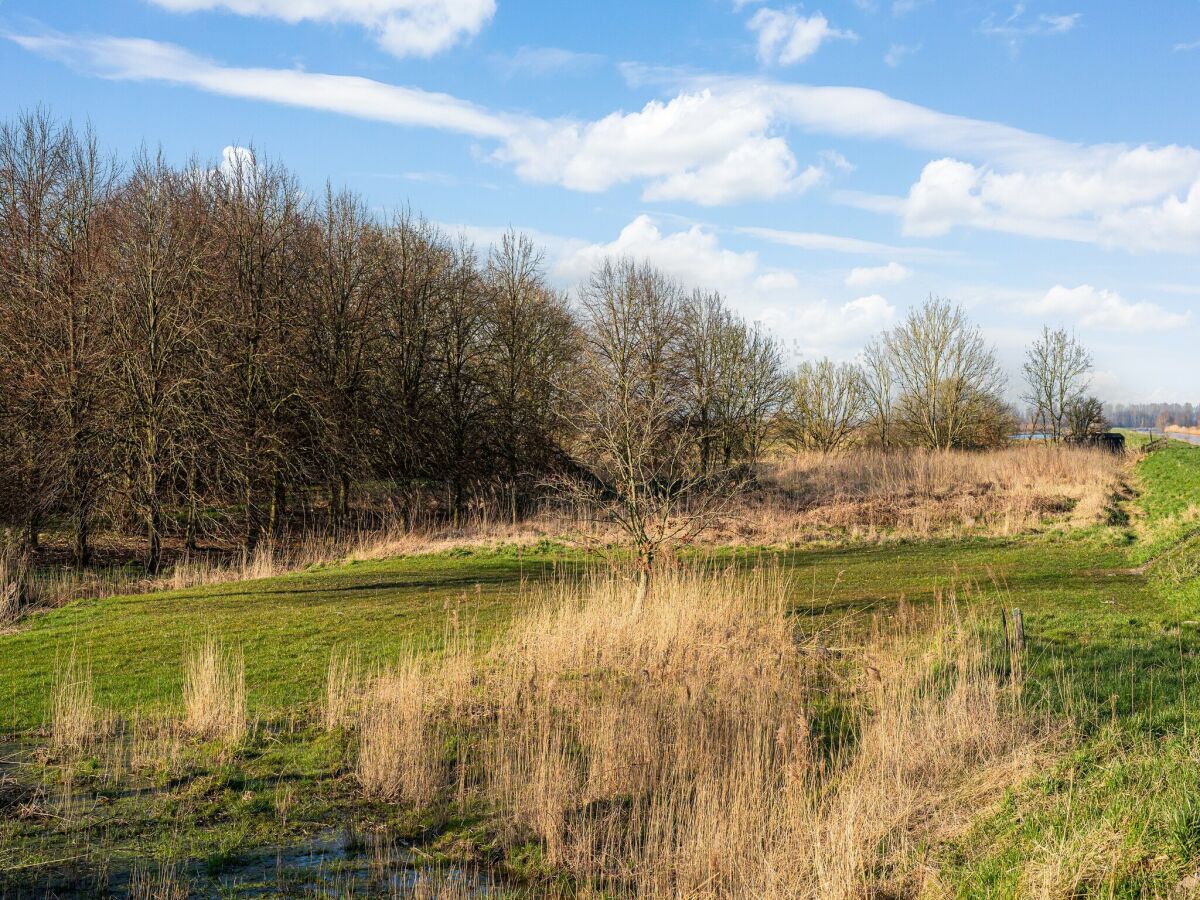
{"points": [[402, 27], [539, 61], [138, 59], [834, 243], [729, 140], [897, 53], [1186, 47], [1017, 26]]}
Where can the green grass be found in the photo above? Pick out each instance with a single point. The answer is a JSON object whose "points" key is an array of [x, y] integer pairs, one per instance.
{"points": [[1114, 647], [1123, 797], [285, 626]]}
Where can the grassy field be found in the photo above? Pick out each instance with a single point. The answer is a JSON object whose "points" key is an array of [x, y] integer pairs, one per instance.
{"points": [[1112, 615]]}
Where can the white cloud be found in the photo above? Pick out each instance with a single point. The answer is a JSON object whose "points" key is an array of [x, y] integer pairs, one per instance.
{"points": [[786, 37], [1140, 198], [892, 273], [826, 328], [236, 160], [702, 146], [723, 140], [833, 243], [808, 324], [760, 168], [1107, 310], [402, 27], [897, 53], [693, 256]]}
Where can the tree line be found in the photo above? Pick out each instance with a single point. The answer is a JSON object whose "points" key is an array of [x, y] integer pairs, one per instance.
{"points": [[1153, 415], [199, 350]]}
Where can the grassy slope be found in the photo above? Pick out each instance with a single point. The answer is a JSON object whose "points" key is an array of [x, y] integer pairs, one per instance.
{"points": [[286, 627], [1118, 636], [1119, 812]]}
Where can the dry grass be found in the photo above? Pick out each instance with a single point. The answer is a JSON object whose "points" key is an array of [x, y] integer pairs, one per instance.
{"points": [[343, 689], [161, 882], [397, 756], [12, 588], [214, 692], [76, 721], [917, 493], [858, 495], [689, 744]]}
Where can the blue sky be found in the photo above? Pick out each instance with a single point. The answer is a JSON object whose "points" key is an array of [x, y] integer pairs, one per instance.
{"points": [[824, 165]]}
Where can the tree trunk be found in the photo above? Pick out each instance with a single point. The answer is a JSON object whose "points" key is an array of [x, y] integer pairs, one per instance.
{"points": [[153, 540], [456, 500], [189, 537], [645, 574], [250, 533], [82, 547], [32, 534], [278, 504], [335, 501]]}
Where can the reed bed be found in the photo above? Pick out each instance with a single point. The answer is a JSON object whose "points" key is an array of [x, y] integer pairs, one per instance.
{"points": [[920, 493], [694, 743]]}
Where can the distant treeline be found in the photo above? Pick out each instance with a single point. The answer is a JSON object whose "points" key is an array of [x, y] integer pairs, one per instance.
{"points": [[210, 351], [1152, 415]]}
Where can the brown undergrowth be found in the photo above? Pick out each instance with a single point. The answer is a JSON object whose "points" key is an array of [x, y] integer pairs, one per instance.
{"points": [[860, 495], [910, 493]]}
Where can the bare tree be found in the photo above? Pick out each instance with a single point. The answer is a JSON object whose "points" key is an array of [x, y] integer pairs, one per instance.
{"points": [[828, 405], [630, 412], [341, 327], [1056, 373], [878, 386], [531, 345], [160, 257], [734, 382], [946, 374], [755, 392], [261, 213], [415, 262], [53, 184], [463, 404], [1085, 417]]}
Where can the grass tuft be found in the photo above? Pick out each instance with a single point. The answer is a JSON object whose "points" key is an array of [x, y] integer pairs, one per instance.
{"points": [[214, 692]]}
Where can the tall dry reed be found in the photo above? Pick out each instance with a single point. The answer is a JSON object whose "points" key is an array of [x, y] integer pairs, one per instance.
{"points": [[13, 587], [398, 756], [695, 743], [76, 720], [214, 692], [343, 689], [924, 493]]}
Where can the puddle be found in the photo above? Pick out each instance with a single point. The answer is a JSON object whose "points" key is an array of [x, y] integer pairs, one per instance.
{"points": [[348, 864], [331, 865]]}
